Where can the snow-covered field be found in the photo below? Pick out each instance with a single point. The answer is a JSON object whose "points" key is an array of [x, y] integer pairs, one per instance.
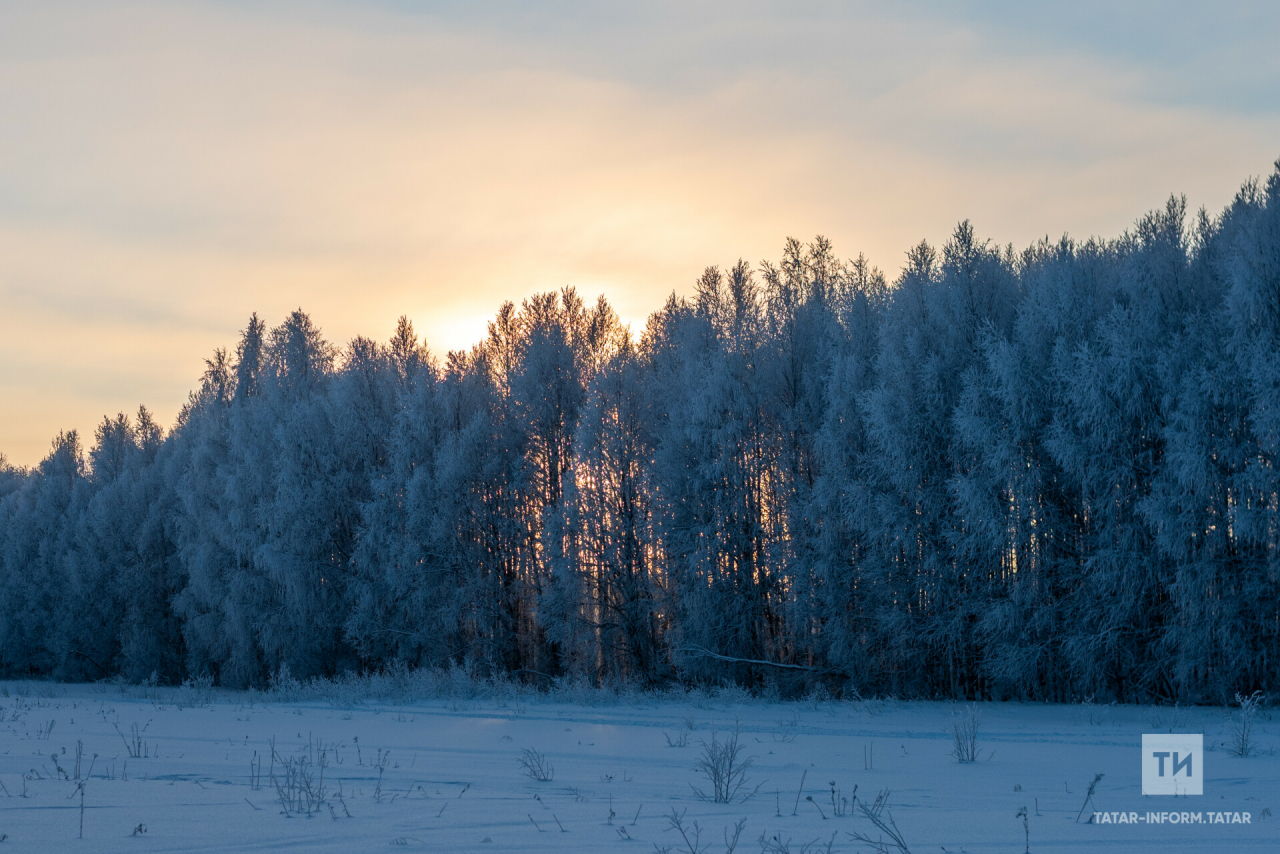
{"points": [[198, 774]]}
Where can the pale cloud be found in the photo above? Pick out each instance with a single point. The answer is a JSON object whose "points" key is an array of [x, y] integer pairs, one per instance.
{"points": [[167, 169]]}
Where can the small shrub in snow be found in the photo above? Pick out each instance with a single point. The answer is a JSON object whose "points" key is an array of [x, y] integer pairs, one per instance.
{"points": [[787, 728], [680, 739], [1240, 730], [692, 835], [284, 685], [889, 838], [536, 766], [196, 691], [964, 734], [725, 768]]}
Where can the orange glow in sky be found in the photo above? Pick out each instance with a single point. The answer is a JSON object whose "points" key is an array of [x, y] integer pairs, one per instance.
{"points": [[167, 169]]}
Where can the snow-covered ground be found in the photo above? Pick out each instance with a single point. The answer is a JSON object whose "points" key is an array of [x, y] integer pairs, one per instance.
{"points": [[445, 774]]}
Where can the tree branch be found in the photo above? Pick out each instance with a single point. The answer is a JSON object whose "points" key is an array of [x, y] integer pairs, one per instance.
{"points": [[706, 653]]}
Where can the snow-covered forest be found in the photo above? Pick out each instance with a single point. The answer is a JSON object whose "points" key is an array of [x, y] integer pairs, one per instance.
{"points": [[1046, 474]]}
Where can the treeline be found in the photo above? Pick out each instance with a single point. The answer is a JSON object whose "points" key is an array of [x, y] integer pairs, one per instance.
{"points": [[1048, 474]]}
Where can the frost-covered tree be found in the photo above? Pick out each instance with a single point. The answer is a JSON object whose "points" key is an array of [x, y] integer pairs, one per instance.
{"points": [[602, 606], [1048, 475], [39, 520]]}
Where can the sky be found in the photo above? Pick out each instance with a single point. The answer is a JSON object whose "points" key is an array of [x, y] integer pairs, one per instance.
{"points": [[167, 169]]}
